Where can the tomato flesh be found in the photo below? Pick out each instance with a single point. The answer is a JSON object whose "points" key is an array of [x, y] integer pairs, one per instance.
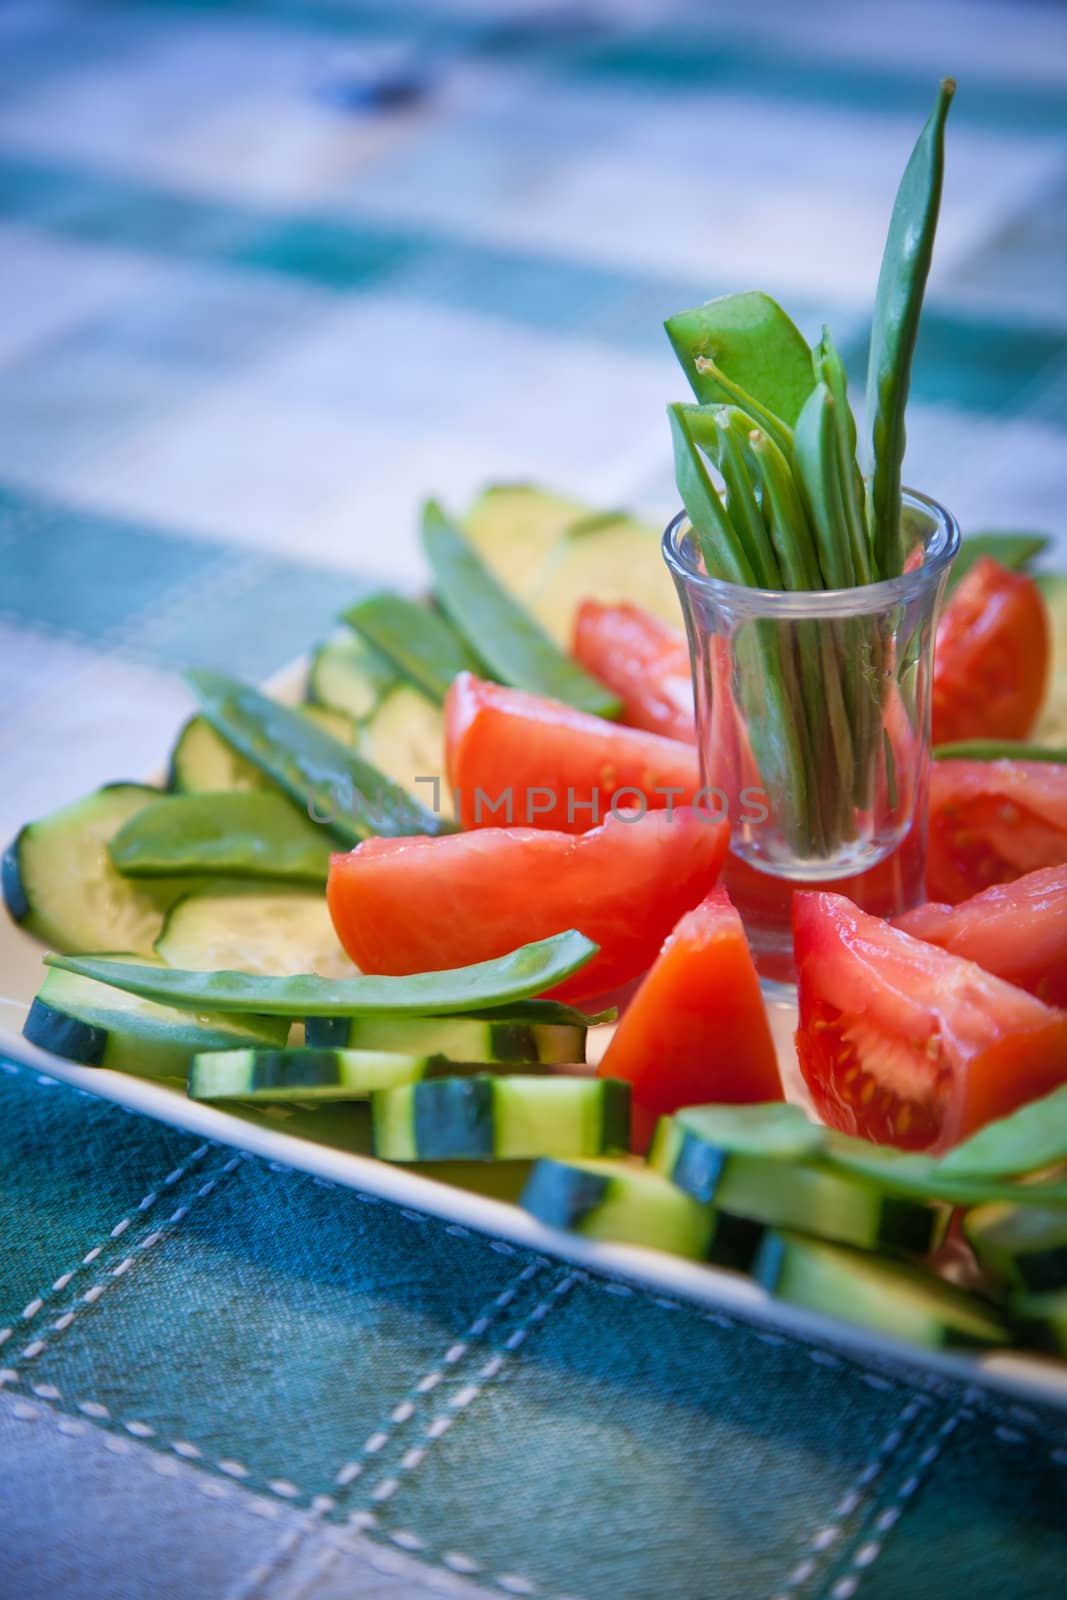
{"points": [[644, 661], [992, 821], [991, 657], [905, 1043], [517, 759], [1018, 931], [422, 904], [696, 1032]]}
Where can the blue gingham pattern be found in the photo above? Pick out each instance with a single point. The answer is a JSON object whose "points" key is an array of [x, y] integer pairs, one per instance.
{"points": [[270, 272]]}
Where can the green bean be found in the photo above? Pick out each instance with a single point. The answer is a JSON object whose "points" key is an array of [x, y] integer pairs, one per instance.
{"points": [[897, 307], [724, 555], [784, 511], [830, 369], [238, 834], [333, 784], [503, 634], [748, 339], [1000, 750], [742, 507], [419, 642], [519, 975], [815, 464]]}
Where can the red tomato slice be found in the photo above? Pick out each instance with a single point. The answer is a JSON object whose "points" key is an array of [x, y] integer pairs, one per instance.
{"points": [[553, 764], [644, 661], [991, 657], [991, 821], [421, 904], [904, 1043], [1018, 931], [696, 1031]]}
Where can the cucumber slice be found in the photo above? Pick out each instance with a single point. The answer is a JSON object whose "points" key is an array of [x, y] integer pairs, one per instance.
{"points": [[1044, 1318], [405, 740], [803, 1193], [238, 835], [456, 1038], [99, 1026], [514, 526], [1022, 1245], [348, 675], [890, 1296], [59, 881], [270, 932], [421, 644], [202, 762], [627, 1203], [612, 558], [492, 1119], [303, 1075]]}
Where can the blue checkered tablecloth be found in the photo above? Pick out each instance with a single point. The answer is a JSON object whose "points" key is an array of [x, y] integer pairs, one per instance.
{"points": [[269, 274]]}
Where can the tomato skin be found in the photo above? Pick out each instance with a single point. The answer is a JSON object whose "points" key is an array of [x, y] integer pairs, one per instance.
{"points": [[554, 762], [1017, 931], [696, 1032], [992, 821], [908, 1044], [991, 657], [420, 904], [643, 661]]}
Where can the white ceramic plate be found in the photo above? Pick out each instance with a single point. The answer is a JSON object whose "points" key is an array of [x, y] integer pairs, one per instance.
{"points": [[20, 962]]}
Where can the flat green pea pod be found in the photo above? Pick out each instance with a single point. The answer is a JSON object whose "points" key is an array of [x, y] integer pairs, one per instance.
{"points": [[238, 834], [727, 444], [723, 551], [830, 369], [895, 326], [1013, 550], [787, 520], [815, 462], [419, 642], [519, 975], [1000, 750], [748, 339], [502, 633], [328, 780]]}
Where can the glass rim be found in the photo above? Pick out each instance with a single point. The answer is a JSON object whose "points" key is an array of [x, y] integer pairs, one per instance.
{"points": [[941, 550]]}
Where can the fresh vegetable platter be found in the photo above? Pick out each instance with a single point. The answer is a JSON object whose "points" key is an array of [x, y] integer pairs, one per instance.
{"points": [[236, 904], [438, 915]]}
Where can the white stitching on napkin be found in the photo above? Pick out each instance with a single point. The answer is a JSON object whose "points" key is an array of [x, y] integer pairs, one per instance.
{"points": [[829, 1534], [91, 1295]]}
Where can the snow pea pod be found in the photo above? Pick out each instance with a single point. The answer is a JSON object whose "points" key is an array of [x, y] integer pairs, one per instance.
{"points": [[419, 642], [239, 834], [513, 645], [1000, 750], [897, 307], [724, 554], [1013, 550], [748, 339], [816, 466], [830, 369], [519, 975], [332, 783]]}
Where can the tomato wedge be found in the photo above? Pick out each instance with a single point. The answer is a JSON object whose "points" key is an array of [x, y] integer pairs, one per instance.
{"points": [[1018, 931], [644, 661], [991, 657], [907, 1044], [515, 758], [991, 821], [696, 1031], [420, 904]]}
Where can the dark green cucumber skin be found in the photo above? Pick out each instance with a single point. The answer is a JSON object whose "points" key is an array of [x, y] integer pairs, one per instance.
{"points": [[303, 1069], [561, 1196], [735, 1242], [327, 1033], [615, 1123], [11, 882], [1043, 1270], [908, 1226], [454, 1119], [64, 1035], [698, 1167]]}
